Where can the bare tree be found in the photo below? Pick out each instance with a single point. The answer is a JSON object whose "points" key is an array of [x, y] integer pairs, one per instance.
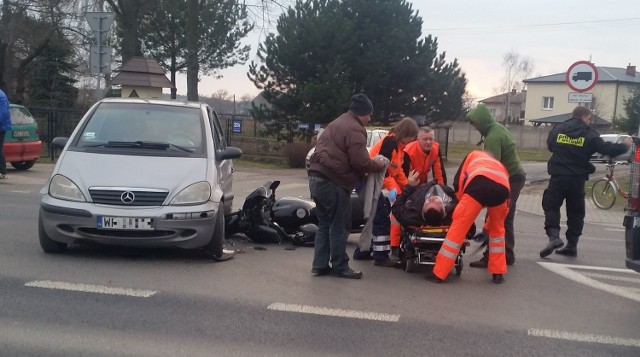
{"points": [[516, 69]]}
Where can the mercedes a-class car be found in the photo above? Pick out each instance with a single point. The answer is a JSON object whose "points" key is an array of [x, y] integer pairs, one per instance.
{"points": [[136, 172]]}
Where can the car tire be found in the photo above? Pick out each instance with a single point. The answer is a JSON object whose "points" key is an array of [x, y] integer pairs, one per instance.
{"points": [[23, 165], [47, 244], [215, 248]]}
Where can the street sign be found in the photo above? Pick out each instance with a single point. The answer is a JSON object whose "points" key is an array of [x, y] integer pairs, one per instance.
{"points": [[100, 59], [580, 97], [100, 23], [237, 126], [582, 76]]}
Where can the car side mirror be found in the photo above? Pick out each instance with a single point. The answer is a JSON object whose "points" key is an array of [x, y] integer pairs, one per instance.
{"points": [[59, 142], [230, 152]]}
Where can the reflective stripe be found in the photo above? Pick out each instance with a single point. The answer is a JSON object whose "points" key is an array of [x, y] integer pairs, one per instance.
{"points": [[452, 244], [480, 159], [496, 239], [497, 249], [382, 248], [484, 169], [448, 254], [381, 239]]}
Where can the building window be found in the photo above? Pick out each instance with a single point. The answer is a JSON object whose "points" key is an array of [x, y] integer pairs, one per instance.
{"points": [[493, 112], [547, 103]]}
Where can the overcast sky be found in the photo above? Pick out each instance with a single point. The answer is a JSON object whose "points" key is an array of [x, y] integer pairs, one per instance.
{"points": [[553, 34]]}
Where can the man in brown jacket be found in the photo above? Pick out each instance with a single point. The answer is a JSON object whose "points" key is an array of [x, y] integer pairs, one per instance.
{"points": [[339, 161]]}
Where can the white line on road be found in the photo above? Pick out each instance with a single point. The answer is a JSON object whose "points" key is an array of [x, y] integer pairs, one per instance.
{"points": [[324, 311], [584, 337], [613, 277], [569, 271], [615, 229], [86, 288]]}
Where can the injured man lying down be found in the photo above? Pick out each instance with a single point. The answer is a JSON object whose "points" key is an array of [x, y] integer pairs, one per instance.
{"points": [[427, 204]]}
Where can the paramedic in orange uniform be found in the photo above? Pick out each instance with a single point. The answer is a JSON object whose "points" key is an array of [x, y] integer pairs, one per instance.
{"points": [[423, 156], [386, 230], [481, 181]]}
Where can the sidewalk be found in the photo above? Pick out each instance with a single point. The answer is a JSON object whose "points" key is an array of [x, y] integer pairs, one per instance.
{"points": [[533, 204]]}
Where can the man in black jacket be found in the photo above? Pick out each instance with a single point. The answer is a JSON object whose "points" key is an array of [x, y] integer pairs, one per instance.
{"points": [[571, 143]]}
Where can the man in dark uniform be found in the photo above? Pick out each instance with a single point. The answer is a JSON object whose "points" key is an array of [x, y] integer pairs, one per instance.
{"points": [[571, 143]]}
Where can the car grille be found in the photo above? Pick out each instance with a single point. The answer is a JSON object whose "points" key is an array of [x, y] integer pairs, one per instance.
{"points": [[131, 198]]}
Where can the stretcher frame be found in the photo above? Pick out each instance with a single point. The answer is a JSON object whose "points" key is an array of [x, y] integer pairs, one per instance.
{"points": [[420, 245]]}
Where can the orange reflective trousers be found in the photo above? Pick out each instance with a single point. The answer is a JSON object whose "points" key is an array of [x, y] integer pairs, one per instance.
{"points": [[464, 216]]}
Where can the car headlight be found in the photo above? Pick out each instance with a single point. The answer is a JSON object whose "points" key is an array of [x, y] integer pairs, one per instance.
{"points": [[197, 193], [64, 189]]}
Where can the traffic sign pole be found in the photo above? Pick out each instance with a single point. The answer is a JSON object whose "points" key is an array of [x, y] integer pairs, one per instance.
{"points": [[100, 60]]}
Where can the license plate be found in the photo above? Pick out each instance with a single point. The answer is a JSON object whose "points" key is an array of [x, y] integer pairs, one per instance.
{"points": [[21, 134], [125, 223]]}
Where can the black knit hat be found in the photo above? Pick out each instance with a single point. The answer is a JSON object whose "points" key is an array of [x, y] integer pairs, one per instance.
{"points": [[361, 105]]}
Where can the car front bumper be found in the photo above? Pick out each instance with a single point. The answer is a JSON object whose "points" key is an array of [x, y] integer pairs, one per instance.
{"points": [[185, 227]]}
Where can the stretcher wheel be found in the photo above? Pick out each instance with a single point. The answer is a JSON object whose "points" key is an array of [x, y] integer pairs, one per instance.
{"points": [[459, 267], [410, 265]]}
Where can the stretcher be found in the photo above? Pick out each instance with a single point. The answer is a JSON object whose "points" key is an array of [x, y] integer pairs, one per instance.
{"points": [[420, 246]]}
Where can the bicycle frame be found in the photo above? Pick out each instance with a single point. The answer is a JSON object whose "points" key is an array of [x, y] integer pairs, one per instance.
{"points": [[611, 177], [603, 191]]}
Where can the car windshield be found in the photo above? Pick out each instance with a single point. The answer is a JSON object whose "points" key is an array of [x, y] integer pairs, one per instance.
{"points": [[21, 116], [144, 126]]}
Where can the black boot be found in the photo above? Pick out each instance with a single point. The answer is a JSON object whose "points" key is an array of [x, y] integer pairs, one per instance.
{"points": [[554, 243], [497, 279], [568, 251], [480, 263]]}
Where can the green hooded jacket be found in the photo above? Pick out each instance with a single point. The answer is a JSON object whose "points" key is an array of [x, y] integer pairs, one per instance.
{"points": [[497, 139]]}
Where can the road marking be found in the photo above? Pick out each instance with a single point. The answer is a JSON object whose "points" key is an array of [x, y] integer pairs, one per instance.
{"points": [[615, 229], [612, 277], [86, 288], [324, 311], [569, 271], [584, 337]]}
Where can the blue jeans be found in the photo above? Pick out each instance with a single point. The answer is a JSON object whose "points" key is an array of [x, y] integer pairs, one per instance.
{"points": [[333, 209]]}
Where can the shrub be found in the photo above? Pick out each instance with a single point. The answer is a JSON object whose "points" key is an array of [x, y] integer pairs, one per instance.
{"points": [[296, 153]]}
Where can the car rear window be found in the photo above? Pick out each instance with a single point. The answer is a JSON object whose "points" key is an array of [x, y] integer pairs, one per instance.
{"points": [[21, 116]]}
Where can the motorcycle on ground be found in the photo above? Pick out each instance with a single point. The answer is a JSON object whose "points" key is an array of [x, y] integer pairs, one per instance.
{"points": [[263, 219]]}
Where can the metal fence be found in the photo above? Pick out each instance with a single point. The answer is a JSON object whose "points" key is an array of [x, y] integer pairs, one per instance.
{"points": [[54, 122]]}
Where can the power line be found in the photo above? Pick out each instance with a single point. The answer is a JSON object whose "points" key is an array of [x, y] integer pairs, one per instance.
{"points": [[537, 26]]}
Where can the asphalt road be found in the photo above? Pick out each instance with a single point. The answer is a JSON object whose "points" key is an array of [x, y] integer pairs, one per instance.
{"points": [[128, 302]]}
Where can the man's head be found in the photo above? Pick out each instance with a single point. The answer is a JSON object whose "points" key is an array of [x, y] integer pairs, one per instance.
{"points": [[433, 210], [425, 138], [582, 113], [480, 117], [361, 106]]}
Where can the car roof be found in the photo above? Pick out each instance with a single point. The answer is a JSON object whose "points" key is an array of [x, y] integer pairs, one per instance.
{"points": [[177, 103]]}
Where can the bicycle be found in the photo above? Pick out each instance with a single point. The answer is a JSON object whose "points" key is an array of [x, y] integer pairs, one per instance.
{"points": [[603, 191]]}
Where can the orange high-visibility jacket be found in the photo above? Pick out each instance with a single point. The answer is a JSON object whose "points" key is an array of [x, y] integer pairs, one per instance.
{"points": [[425, 162], [395, 177], [480, 163]]}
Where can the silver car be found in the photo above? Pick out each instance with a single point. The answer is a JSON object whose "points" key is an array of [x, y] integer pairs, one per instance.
{"points": [[136, 172]]}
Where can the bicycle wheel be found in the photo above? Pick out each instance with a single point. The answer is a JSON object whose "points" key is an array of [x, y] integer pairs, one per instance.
{"points": [[603, 194]]}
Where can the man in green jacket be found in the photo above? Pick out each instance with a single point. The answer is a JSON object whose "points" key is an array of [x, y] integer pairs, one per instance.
{"points": [[497, 140]]}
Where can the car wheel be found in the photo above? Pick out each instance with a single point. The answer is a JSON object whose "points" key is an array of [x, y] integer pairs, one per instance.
{"points": [[48, 245], [23, 165], [215, 248]]}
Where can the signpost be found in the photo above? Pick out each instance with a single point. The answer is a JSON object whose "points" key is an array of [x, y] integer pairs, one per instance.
{"points": [[100, 55], [582, 76]]}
